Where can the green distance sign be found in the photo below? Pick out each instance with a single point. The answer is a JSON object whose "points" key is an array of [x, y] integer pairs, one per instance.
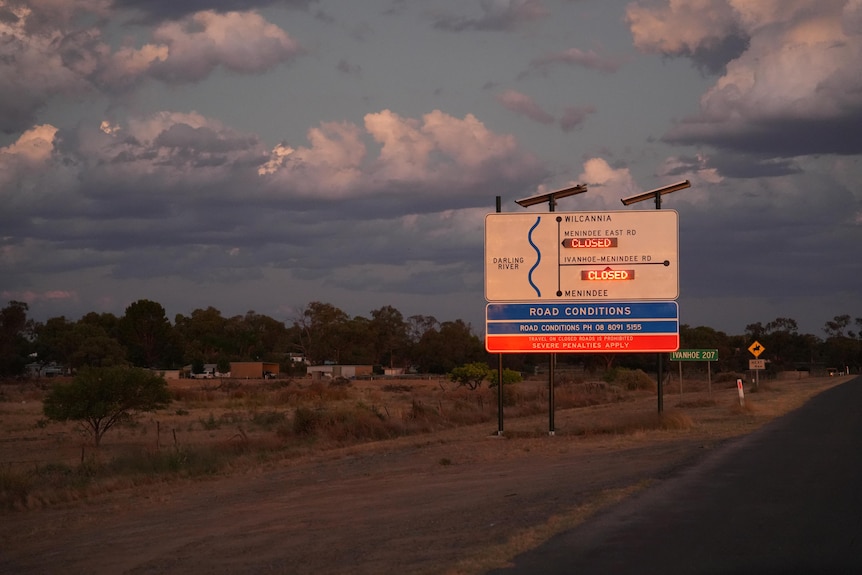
{"points": [[694, 355]]}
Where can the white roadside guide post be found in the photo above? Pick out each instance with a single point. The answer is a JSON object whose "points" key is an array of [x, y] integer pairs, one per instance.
{"points": [[741, 392]]}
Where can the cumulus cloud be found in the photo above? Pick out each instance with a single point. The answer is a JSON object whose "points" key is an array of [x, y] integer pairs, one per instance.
{"points": [[181, 194], [31, 65], [242, 42], [34, 145], [607, 182], [168, 151], [44, 53], [575, 116], [707, 31], [525, 106], [438, 153], [22, 161], [496, 15], [794, 90], [330, 167], [574, 57]]}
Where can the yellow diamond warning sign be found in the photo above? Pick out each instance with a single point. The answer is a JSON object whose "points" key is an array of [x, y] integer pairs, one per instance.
{"points": [[756, 349]]}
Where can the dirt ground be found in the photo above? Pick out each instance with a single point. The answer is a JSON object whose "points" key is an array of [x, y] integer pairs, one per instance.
{"points": [[458, 501]]}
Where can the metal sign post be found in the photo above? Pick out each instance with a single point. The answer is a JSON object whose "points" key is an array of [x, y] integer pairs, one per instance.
{"points": [[657, 194], [707, 355], [551, 199], [756, 349]]}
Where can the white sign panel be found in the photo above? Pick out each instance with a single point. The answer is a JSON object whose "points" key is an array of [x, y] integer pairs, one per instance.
{"points": [[582, 256]]}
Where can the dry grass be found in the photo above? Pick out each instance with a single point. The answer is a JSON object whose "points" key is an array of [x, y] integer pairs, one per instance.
{"points": [[216, 428], [489, 557]]}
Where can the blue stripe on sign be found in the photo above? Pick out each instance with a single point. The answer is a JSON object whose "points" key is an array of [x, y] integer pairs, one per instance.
{"points": [[622, 311], [628, 327]]}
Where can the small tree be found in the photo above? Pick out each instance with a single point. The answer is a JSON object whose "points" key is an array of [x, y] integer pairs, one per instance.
{"points": [[509, 376], [471, 374], [101, 397]]}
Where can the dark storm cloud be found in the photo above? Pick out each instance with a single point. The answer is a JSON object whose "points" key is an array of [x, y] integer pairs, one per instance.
{"points": [[496, 16], [768, 237], [158, 10], [18, 108], [203, 140], [732, 165], [785, 137], [712, 56]]}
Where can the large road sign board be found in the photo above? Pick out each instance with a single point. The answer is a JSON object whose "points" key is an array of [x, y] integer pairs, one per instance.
{"points": [[582, 327], [582, 256], [694, 355]]}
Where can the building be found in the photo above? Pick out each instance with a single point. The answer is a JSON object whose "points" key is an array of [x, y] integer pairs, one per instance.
{"points": [[253, 370], [52, 369], [348, 371]]}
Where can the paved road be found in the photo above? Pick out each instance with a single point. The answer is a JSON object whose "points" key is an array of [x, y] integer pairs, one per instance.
{"points": [[787, 499]]}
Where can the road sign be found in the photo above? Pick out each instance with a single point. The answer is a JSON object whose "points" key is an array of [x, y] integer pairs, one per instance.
{"points": [[582, 256], [582, 327], [756, 349], [694, 355], [756, 364]]}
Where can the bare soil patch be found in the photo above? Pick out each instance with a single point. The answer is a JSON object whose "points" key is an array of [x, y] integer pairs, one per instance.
{"points": [[455, 500]]}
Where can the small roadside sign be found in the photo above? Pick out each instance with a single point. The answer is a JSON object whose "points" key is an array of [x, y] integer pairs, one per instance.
{"points": [[694, 355], [755, 364], [756, 349]]}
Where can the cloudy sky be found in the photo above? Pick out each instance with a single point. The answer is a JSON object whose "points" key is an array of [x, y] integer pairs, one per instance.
{"points": [[264, 154]]}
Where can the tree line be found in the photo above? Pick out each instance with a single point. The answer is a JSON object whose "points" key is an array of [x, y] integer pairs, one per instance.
{"points": [[144, 337]]}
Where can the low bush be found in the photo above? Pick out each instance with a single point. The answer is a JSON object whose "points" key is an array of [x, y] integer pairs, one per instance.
{"points": [[306, 421], [728, 377], [631, 379], [268, 419], [669, 420]]}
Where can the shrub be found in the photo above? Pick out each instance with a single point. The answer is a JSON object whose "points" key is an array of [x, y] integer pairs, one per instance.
{"points": [[305, 421], [268, 419], [396, 387], [359, 423], [471, 375], [631, 380], [211, 423], [509, 376], [14, 488]]}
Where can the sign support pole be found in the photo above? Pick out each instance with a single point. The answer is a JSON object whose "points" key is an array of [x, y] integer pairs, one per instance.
{"points": [[657, 194], [499, 365], [551, 198], [709, 378], [552, 358]]}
